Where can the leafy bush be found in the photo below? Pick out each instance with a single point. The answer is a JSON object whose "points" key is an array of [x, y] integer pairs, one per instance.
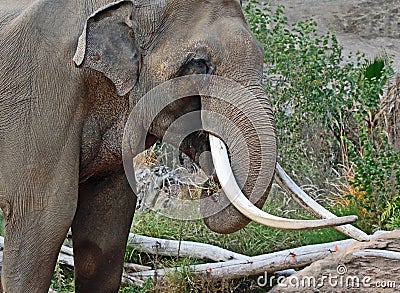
{"points": [[330, 112]]}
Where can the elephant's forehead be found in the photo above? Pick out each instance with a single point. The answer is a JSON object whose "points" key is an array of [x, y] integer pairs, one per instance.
{"points": [[173, 49], [185, 13], [210, 10]]}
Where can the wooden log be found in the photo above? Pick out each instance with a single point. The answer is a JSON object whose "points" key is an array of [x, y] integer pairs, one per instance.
{"points": [[67, 250], [378, 253], [65, 259], [182, 248], [136, 267], [128, 280], [272, 262]]}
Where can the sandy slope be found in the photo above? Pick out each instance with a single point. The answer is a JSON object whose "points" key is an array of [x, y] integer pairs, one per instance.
{"points": [[370, 26]]}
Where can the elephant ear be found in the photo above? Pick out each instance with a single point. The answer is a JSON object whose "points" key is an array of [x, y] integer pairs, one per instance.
{"points": [[107, 44]]}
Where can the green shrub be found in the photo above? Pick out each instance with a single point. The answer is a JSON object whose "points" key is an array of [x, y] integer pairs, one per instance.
{"points": [[330, 112]]}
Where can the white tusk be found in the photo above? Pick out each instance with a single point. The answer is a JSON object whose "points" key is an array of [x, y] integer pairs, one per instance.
{"points": [[239, 200], [312, 206]]}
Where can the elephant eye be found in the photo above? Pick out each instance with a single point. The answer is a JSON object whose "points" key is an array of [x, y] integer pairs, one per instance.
{"points": [[200, 66], [196, 66]]}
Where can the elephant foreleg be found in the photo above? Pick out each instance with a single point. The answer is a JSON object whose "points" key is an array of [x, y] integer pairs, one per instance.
{"points": [[100, 231], [35, 228]]}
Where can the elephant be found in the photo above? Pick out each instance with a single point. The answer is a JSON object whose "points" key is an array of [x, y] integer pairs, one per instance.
{"points": [[71, 74]]}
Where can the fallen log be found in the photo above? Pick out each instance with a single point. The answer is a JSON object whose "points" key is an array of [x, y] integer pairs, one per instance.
{"points": [[394, 255], [182, 248], [136, 267], [65, 259], [272, 262]]}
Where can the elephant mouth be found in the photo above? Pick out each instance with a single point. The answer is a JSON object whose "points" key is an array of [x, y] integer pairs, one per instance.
{"points": [[229, 185]]}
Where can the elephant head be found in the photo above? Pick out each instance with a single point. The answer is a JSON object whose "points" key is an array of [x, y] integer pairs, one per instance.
{"points": [[205, 55]]}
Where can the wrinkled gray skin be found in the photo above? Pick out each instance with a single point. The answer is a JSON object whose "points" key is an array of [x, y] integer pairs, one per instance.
{"points": [[61, 125]]}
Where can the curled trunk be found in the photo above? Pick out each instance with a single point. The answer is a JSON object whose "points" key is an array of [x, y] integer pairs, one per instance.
{"points": [[243, 119]]}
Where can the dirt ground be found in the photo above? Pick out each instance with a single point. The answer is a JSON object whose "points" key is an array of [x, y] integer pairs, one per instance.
{"points": [[369, 26]]}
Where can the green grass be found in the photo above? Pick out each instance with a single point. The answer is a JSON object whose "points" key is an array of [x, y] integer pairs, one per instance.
{"points": [[252, 240]]}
